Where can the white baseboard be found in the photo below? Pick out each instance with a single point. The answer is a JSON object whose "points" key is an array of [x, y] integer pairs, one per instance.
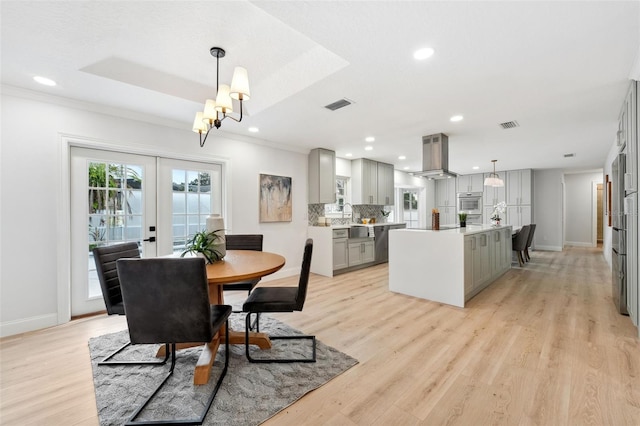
{"points": [[547, 248], [9, 328], [578, 244]]}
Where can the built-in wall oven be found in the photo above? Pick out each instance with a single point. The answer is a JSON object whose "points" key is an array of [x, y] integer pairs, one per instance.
{"points": [[470, 203]]}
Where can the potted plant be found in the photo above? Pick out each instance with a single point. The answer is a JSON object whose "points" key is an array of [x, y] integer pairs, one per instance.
{"points": [[498, 209], [385, 214], [463, 219], [205, 244]]}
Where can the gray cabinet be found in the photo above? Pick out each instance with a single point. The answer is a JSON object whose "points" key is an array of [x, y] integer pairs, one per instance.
{"points": [[385, 184], [477, 264], [446, 192], [372, 182], [519, 187], [518, 215], [471, 183], [364, 181], [322, 176], [487, 255], [340, 254], [360, 252]]}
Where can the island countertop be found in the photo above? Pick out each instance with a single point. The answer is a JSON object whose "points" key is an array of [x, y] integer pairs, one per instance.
{"points": [[450, 265]]}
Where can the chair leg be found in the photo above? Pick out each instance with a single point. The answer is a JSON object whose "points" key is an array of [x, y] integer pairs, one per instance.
{"points": [[279, 360], [198, 421], [520, 259], [106, 361], [526, 254]]}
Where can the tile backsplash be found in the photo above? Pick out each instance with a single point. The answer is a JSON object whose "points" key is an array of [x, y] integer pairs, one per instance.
{"points": [[359, 211]]}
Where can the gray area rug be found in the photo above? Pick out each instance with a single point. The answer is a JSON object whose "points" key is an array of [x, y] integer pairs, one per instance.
{"points": [[249, 395]]}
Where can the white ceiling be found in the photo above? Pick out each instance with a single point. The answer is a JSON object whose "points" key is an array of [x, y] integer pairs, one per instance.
{"points": [[560, 69]]}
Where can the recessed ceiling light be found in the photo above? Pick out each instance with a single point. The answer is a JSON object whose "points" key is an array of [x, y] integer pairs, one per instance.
{"points": [[253, 129], [368, 148], [348, 154], [402, 157], [422, 54], [406, 168], [369, 139], [45, 81], [475, 167], [456, 118]]}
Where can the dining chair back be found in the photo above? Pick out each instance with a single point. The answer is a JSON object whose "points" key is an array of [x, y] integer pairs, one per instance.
{"points": [[532, 230], [105, 258], [281, 299], [519, 242], [243, 242], [167, 301]]}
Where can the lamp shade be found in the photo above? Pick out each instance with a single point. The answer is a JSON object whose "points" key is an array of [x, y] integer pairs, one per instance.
{"points": [[209, 110], [198, 124], [223, 100], [240, 84], [493, 180]]}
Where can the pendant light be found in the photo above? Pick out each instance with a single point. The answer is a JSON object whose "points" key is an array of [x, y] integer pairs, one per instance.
{"points": [[216, 111], [493, 179]]}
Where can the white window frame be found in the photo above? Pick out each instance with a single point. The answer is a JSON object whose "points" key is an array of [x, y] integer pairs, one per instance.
{"points": [[335, 210]]}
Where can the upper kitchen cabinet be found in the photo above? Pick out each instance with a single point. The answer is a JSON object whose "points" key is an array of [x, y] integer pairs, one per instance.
{"points": [[322, 176], [364, 181], [519, 187], [471, 183], [628, 137], [495, 194], [446, 192], [385, 184]]}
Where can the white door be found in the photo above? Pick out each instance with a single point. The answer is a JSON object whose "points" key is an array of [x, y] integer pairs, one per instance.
{"points": [[113, 200], [188, 192], [157, 202]]}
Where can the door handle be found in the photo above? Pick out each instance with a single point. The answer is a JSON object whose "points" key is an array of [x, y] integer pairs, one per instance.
{"points": [[151, 239]]}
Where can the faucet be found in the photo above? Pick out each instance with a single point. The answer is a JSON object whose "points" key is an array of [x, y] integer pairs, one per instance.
{"points": [[345, 205]]}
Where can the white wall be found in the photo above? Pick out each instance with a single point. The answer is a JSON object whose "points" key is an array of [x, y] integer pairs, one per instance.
{"points": [[579, 211], [33, 273], [547, 209]]}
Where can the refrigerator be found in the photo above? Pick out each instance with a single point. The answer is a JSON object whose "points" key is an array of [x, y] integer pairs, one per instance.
{"points": [[619, 235]]}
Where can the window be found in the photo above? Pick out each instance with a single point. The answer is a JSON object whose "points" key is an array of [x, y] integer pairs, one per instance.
{"points": [[341, 197], [410, 207]]}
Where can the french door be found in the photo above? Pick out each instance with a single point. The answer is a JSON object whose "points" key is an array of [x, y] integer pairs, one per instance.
{"points": [[117, 197]]}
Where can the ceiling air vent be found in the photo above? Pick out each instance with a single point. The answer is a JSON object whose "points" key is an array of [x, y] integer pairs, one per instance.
{"points": [[509, 125], [338, 104]]}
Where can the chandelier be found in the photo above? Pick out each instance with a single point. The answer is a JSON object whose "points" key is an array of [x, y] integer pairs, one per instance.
{"points": [[216, 111], [493, 179]]}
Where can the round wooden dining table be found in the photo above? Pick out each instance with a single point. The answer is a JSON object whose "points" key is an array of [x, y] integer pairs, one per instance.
{"points": [[237, 265]]}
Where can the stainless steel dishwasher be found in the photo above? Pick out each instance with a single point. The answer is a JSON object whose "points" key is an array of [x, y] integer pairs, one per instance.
{"points": [[381, 235]]}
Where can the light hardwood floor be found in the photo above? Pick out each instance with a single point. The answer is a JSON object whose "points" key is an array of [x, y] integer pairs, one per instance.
{"points": [[543, 345]]}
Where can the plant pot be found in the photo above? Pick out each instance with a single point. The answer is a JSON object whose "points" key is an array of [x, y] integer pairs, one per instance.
{"points": [[463, 224]]}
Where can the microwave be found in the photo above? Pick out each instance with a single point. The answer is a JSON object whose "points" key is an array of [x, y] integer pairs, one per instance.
{"points": [[470, 202]]}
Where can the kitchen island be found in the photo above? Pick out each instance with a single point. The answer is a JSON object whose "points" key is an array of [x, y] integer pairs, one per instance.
{"points": [[449, 265]]}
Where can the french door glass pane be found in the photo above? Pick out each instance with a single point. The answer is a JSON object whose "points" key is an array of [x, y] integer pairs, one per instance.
{"points": [[192, 203], [115, 209]]}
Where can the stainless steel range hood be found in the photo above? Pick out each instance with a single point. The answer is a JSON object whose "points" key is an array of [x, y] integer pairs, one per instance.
{"points": [[435, 157]]}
